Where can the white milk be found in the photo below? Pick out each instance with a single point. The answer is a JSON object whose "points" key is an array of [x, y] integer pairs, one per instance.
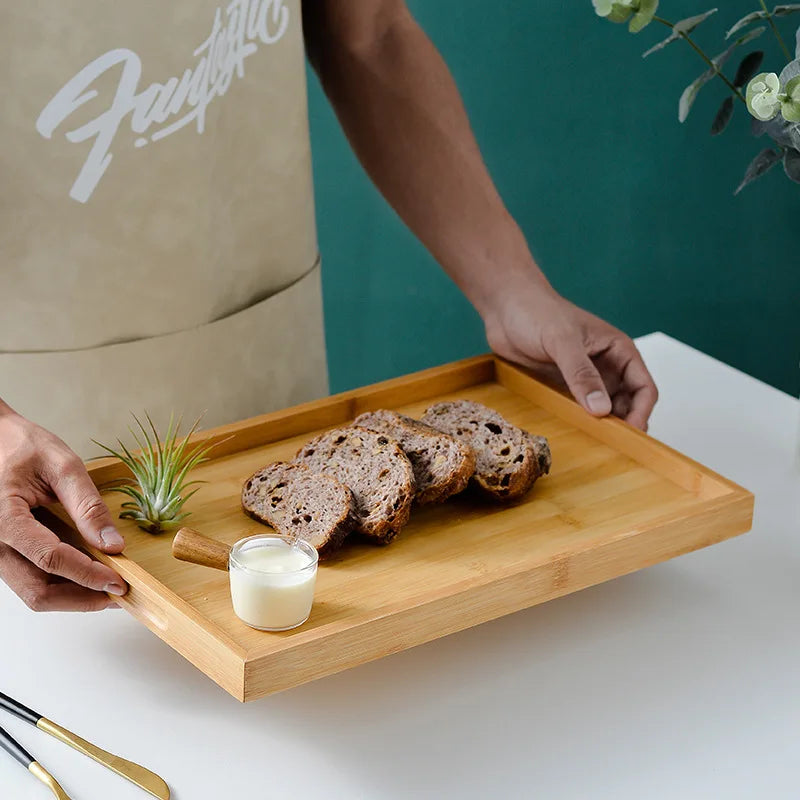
{"points": [[272, 583]]}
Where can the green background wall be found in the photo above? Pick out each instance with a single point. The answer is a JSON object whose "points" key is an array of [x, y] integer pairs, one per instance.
{"points": [[629, 213]]}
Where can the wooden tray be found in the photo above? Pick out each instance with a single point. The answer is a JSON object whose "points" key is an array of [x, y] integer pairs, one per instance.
{"points": [[616, 501]]}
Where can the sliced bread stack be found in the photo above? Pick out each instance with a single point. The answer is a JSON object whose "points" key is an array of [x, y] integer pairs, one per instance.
{"points": [[364, 477], [509, 460], [377, 471], [442, 465]]}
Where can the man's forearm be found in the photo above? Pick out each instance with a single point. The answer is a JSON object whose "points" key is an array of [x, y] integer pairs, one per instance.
{"points": [[402, 112]]}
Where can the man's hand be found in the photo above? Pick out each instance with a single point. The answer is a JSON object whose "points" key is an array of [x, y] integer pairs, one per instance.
{"points": [[36, 468], [535, 327]]}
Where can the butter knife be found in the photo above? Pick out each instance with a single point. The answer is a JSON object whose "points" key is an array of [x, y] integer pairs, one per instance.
{"points": [[136, 774]]}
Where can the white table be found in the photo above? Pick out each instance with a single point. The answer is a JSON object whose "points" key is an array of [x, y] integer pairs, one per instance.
{"points": [[681, 681]]}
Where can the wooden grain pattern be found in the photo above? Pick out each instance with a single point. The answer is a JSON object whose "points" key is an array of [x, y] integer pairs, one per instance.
{"points": [[616, 501], [190, 545]]}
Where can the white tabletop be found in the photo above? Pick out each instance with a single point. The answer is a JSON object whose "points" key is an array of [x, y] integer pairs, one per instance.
{"points": [[680, 681]]}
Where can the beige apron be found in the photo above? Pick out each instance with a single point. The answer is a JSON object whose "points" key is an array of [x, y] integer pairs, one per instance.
{"points": [[157, 240]]}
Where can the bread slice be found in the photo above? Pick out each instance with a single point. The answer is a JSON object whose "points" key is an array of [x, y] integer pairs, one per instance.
{"points": [[508, 459], [377, 472], [442, 465], [297, 502]]}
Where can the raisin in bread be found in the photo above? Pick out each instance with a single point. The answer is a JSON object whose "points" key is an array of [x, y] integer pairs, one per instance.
{"points": [[377, 471], [298, 502], [508, 459], [442, 465]]}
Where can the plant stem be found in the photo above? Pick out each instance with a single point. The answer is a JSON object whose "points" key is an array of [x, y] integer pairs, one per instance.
{"points": [[713, 66], [776, 31], [702, 55]]}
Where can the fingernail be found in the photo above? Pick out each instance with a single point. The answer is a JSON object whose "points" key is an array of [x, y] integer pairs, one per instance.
{"points": [[113, 607], [597, 402], [111, 537], [115, 588]]}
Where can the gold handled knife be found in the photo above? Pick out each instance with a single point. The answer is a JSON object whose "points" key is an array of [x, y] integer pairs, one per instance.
{"points": [[135, 773]]}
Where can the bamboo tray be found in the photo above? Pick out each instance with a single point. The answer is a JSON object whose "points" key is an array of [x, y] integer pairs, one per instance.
{"points": [[616, 501]]}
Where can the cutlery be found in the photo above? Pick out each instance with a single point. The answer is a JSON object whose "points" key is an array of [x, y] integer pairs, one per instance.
{"points": [[19, 753], [135, 773]]}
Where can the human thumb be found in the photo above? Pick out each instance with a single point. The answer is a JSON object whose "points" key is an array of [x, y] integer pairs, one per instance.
{"points": [[581, 376]]}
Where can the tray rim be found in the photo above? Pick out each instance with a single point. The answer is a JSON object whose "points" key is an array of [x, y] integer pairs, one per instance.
{"points": [[714, 491]]}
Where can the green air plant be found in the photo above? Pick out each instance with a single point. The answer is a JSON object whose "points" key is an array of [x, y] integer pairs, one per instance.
{"points": [[160, 470], [772, 99]]}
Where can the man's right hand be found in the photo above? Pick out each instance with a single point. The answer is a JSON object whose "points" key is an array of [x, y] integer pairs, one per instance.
{"points": [[37, 468]]}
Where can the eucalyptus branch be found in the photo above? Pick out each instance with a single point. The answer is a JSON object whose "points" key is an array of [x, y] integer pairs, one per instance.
{"points": [[776, 31], [702, 55]]}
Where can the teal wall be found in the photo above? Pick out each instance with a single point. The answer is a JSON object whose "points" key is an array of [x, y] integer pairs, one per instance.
{"points": [[629, 213]]}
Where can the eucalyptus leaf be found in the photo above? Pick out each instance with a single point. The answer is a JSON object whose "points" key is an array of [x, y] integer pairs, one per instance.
{"points": [[791, 164], [797, 47], [759, 166], [742, 40], [748, 68], [794, 136], [791, 70], [778, 129], [785, 10], [680, 29], [690, 23], [691, 91], [723, 116], [747, 20], [690, 94], [644, 16]]}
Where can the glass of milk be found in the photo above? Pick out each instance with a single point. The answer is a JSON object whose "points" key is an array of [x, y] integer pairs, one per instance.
{"points": [[272, 581]]}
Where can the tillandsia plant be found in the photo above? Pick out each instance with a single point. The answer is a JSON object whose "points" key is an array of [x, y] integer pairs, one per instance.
{"points": [[160, 470], [772, 98]]}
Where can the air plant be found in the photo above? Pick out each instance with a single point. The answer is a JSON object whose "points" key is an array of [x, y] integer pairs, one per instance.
{"points": [[160, 470]]}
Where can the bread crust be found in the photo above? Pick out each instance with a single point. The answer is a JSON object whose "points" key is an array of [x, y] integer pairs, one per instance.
{"points": [[459, 481]]}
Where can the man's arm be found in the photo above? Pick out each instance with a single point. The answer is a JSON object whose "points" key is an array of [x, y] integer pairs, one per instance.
{"points": [[403, 115]]}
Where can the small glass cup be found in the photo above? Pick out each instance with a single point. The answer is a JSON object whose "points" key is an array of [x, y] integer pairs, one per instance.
{"points": [[272, 581]]}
